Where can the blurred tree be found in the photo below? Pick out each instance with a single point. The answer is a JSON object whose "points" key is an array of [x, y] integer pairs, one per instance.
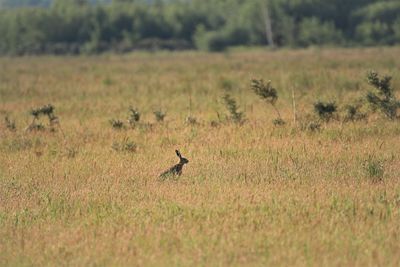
{"points": [[74, 26], [314, 32]]}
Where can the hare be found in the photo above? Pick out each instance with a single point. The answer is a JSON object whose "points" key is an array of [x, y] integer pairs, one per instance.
{"points": [[175, 170]]}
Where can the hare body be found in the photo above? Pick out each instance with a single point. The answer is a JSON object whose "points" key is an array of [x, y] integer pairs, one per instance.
{"points": [[175, 170]]}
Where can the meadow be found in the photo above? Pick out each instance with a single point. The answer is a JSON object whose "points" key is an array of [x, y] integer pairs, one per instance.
{"points": [[253, 194]]}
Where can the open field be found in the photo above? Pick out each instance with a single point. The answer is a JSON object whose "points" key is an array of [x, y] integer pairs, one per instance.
{"points": [[252, 194]]}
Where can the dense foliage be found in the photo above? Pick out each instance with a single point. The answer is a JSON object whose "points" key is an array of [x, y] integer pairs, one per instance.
{"points": [[81, 26]]}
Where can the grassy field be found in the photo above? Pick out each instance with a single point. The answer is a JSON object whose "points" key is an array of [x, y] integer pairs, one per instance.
{"points": [[252, 195]]}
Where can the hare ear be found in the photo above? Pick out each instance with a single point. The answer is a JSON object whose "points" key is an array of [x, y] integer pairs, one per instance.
{"points": [[178, 154]]}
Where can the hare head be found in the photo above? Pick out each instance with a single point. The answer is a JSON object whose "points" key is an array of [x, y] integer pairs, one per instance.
{"points": [[182, 159]]}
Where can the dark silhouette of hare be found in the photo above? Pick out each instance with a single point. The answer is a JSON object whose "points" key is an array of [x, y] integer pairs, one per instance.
{"points": [[175, 170]]}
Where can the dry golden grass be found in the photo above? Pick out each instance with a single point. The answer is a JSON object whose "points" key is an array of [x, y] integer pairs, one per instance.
{"points": [[252, 195]]}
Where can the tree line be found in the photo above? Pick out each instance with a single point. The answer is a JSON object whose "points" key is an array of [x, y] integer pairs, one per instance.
{"points": [[82, 26]]}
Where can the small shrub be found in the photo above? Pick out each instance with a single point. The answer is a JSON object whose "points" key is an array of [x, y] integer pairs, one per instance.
{"points": [[47, 110], [71, 153], [125, 146], [269, 94], [35, 113], [190, 120], [37, 127], [117, 124], [313, 126], [214, 124], [160, 116], [17, 144], [134, 116], [145, 127], [265, 91], [383, 97], [10, 124], [278, 122], [374, 169], [325, 111], [353, 113], [108, 81], [235, 115]]}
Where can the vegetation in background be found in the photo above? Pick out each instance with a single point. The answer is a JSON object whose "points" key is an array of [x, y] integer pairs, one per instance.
{"points": [[80, 26]]}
